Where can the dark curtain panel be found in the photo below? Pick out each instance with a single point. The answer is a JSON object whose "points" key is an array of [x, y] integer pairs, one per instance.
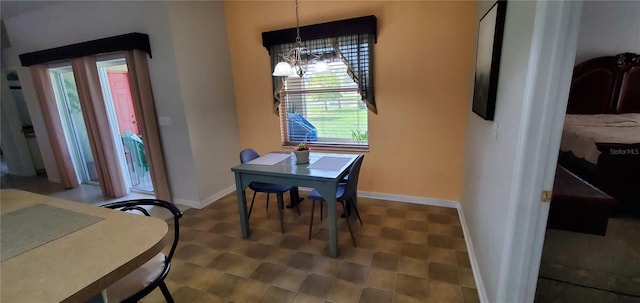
{"points": [[356, 51]]}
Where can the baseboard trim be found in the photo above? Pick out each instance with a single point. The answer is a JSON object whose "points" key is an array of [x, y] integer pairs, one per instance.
{"points": [[217, 196], [189, 203], [409, 199], [482, 293], [204, 203]]}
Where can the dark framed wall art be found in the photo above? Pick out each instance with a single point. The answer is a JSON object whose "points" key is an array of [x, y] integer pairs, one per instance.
{"points": [[485, 87]]}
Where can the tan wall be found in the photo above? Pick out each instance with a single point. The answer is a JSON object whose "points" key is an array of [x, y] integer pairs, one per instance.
{"points": [[423, 83]]}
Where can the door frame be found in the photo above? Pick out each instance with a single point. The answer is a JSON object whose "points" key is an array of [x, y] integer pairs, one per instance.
{"points": [[550, 67]]}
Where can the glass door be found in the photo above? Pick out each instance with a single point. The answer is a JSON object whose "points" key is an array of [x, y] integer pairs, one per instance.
{"points": [[114, 80], [66, 94]]}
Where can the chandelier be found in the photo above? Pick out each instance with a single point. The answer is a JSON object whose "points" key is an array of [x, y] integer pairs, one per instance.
{"points": [[294, 65]]}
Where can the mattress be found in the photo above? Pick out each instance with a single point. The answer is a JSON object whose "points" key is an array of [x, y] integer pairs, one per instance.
{"points": [[581, 133]]}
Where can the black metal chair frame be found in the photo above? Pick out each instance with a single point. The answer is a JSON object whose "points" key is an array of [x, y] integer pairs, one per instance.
{"points": [[136, 205], [347, 199]]}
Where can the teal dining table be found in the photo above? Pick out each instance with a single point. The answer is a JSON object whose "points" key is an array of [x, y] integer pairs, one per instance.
{"points": [[323, 172]]}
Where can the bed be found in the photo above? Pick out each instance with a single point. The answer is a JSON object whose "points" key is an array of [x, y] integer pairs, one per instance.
{"points": [[601, 135]]}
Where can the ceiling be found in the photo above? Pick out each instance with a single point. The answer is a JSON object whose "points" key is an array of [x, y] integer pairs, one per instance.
{"points": [[10, 9]]}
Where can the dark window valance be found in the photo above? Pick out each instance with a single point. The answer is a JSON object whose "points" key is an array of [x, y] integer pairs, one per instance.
{"points": [[105, 45], [354, 26]]}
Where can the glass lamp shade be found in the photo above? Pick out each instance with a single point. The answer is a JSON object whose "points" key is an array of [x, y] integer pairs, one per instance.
{"points": [[295, 71], [321, 67], [282, 69]]}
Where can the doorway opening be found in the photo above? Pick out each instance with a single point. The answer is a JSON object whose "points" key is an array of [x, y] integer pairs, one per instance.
{"points": [[114, 80], [123, 124], [68, 101]]}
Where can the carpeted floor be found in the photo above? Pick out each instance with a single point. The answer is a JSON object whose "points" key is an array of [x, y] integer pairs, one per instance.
{"points": [[579, 267]]}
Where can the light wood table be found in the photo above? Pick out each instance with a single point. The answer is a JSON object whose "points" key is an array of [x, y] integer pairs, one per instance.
{"points": [[80, 264]]}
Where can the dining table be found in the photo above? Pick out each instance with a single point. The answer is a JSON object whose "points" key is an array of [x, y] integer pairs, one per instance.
{"points": [[56, 250], [323, 172]]}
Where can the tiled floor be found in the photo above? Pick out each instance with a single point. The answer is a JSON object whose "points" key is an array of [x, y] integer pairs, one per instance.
{"points": [[84, 193], [405, 253]]}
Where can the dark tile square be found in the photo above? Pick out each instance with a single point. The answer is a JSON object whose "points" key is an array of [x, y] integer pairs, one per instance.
{"points": [[226, 261], [463, 259], [316, 285], [226, 285], [439, 218], [470, 295], [444, 273], [277, 294], [302, 261], [385, 261], [374, 295], [367, 242], [441, 241], [292, 242], [223, 228], [396, 213], [415, 251], [258, 251], [267, 272], [412, 286], [456, 231], [354, 273], [215, 241], [419, 226], [372, 219], [392, 233]]}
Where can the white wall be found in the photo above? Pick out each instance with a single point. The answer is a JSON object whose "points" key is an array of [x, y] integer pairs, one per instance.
{"points": [[491, 147], [12, 140], [204, 72], [179, 100], [608, 28]]}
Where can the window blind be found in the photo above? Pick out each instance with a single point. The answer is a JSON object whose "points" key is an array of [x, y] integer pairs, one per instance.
{"points": [[326, 108]]}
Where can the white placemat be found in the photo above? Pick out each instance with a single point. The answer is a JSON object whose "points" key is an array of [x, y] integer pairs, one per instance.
{"points": [[330, 163], [269, 159]]}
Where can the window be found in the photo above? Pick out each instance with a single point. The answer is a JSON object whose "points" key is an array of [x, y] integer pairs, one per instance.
{"points": [[328, 108]]}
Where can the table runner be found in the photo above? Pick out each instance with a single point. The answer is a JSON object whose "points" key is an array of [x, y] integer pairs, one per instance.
{"points": [[28, 228]]}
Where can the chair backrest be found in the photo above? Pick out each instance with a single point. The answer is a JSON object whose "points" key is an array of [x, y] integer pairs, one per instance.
{"points": [[248, 154], [137, 205], [351, 188], [135, 146]]}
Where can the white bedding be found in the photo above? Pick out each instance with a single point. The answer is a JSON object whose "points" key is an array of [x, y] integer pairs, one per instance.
{"points": [[581, 132]]}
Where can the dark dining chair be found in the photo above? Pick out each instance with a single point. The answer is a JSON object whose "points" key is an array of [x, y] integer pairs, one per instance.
{"points": [[249, 154], [346, 195], [150, 275]]}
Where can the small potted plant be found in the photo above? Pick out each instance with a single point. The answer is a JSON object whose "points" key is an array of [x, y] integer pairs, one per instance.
{"points": [[302, 153]]}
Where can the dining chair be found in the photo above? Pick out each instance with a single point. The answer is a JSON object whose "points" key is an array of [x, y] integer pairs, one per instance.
{"points": [[346, 195], [150, 275], [249, 154]]}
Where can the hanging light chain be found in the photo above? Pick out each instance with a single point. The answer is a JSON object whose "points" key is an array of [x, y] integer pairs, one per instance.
{"points": [[298, 39]]}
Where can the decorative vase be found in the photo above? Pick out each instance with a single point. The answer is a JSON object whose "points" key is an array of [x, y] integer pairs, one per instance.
{"points": [[302, 156]]}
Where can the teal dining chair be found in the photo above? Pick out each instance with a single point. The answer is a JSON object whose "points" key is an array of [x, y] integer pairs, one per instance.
{"points": [[249, 154], [346, 195]]}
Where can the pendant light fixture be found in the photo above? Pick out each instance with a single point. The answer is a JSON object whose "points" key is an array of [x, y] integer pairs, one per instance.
{"points": [[294, 64]]}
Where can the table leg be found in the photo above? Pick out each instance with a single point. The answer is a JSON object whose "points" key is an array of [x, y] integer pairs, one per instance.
{"points": [[295, 197], [242, 207], [328, 192], [333, 227]]}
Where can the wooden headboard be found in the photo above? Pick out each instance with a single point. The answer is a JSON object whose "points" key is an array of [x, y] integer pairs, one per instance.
{"points": [[606, 85]]}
